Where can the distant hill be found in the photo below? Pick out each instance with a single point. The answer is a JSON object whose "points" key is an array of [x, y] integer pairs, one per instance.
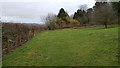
{"points": [[30, 24]]}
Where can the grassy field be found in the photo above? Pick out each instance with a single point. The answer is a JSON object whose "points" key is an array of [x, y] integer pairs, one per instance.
{"points": [[68, 47]]}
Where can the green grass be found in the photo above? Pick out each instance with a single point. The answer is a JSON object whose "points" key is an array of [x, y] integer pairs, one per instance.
{"points": [[68, 47]]}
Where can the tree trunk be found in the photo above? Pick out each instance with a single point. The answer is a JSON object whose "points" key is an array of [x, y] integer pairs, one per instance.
{"points": [[106, 25]]}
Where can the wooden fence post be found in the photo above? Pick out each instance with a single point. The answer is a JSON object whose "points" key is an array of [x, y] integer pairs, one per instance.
{"points": [[20, 43], [33, 32], [8, 45]]}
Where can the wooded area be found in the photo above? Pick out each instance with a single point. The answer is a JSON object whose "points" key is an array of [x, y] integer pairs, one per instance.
{"points": [[103, 13]]}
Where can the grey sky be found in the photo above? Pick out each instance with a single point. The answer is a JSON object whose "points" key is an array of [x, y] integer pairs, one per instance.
{"points": [[32, 11]]}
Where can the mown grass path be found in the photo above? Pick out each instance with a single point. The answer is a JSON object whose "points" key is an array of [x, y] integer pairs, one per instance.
{"points": [[68, 47]]}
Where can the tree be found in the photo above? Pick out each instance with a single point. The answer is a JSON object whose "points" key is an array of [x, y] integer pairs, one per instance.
{"points": [[49, 21], [62, 14], [75, 16], [80, 15], [116, 7], [104, 13], [83, 7], [89, 15]]}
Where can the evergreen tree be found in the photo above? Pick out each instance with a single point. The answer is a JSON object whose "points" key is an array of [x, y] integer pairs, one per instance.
{"points": [[116, 7], [62, 14], [75, 16], [80, 15]]}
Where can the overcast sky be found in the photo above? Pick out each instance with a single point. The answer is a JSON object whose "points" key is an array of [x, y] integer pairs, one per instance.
{"points": [[32, 11]]}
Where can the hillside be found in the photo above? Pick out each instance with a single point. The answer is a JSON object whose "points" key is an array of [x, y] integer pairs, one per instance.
{"points": [[68, 47]]}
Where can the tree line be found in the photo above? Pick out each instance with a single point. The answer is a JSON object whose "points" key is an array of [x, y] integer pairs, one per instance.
{"points": [[103, 13], [14, 35]]}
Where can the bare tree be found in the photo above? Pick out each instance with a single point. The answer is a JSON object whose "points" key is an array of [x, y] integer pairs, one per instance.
{"points": [[83, 7], [104, 14], [49, 21]]}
